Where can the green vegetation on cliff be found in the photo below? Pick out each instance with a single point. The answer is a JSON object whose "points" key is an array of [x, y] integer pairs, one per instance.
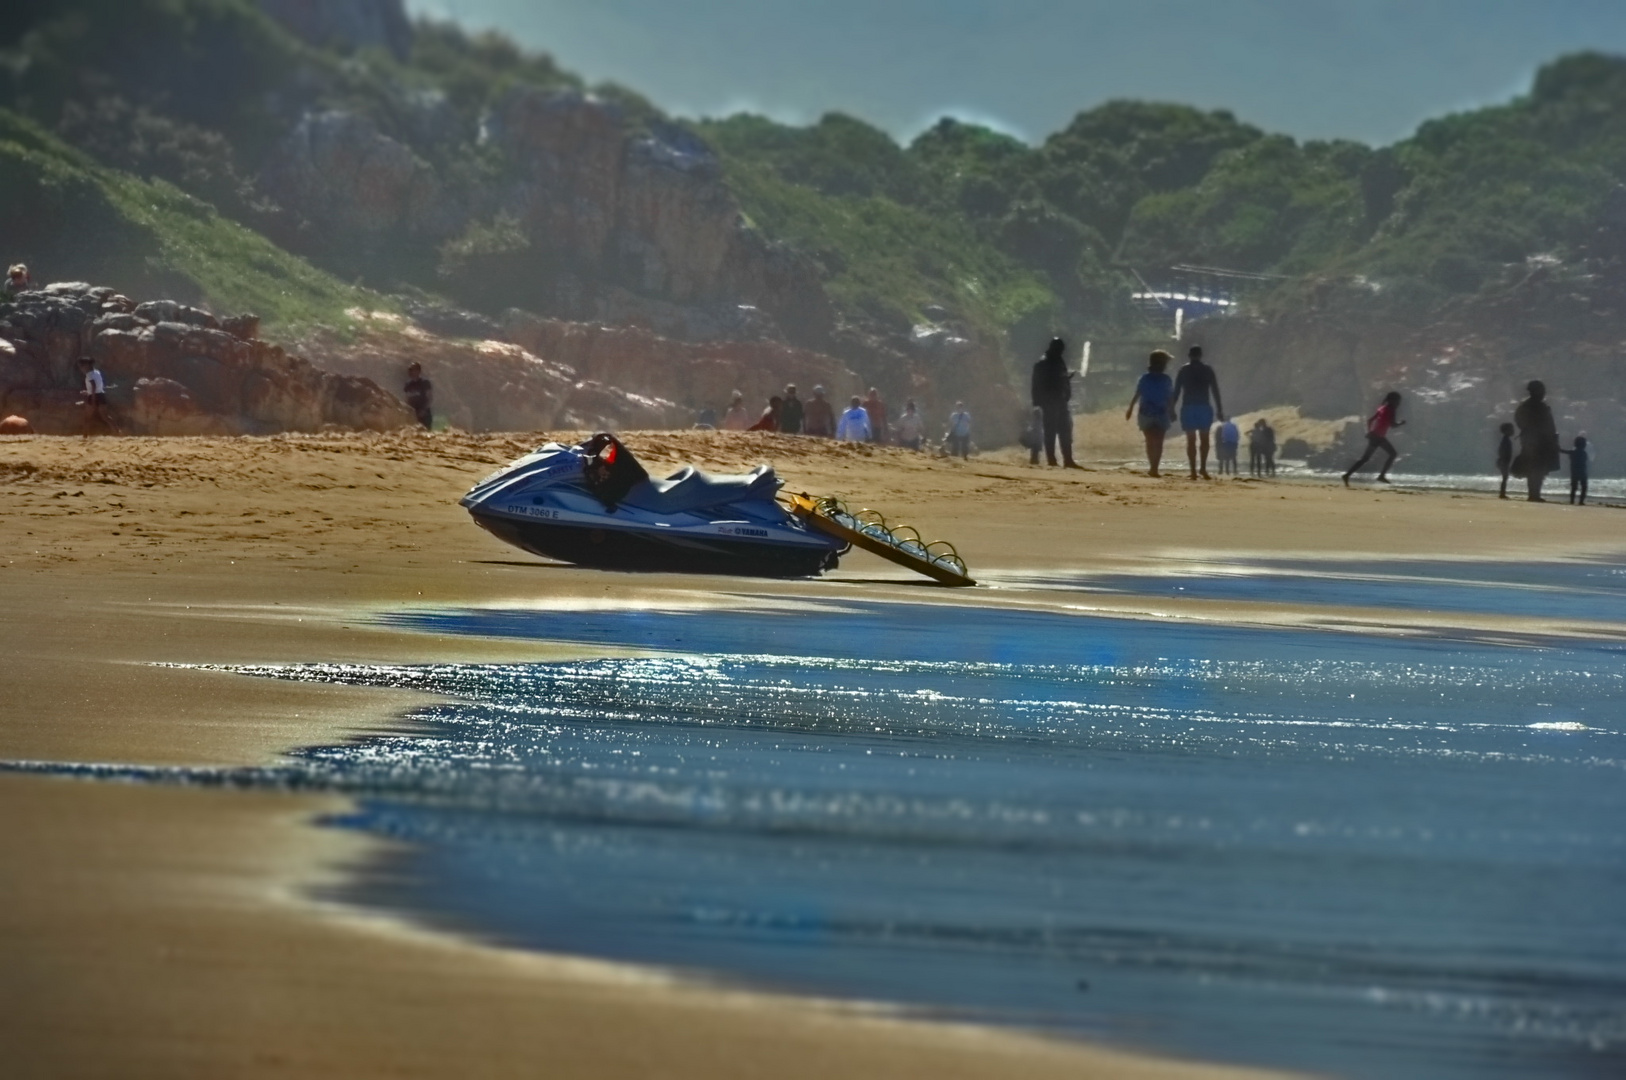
{"points": [[847, 195], [1006, 236], [62, 211]]}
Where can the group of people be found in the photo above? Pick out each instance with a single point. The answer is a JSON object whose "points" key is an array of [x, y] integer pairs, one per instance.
{"points": [[1539, 451], [1227, 440], [1193, 395], [864, 420]]}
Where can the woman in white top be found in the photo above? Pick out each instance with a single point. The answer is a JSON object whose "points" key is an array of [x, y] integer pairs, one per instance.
{"points": [[736, 418], [909, 428]]}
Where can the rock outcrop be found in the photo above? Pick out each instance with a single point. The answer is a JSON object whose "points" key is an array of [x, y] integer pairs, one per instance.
{"points": [[170, 369], [552, 374], [592, 217]]}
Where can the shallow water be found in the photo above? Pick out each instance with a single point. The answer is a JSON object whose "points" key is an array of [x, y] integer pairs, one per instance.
{"points": [[1363, 856], [1591, 591]]}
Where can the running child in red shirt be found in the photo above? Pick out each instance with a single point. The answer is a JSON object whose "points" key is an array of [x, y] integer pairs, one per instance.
{"points": [[1377, 436]]}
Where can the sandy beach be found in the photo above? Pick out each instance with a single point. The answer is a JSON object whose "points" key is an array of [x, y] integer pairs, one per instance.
{"points": [[167, 931]]}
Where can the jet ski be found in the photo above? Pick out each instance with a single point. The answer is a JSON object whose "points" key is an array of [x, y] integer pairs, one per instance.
{"points": [[593, 504]]}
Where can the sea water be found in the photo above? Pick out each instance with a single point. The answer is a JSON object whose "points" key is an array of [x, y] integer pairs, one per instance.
{"points": [[1364, 856]]}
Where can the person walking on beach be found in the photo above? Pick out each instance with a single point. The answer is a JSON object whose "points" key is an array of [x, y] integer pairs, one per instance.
{"points": [[854, 423], [1155, 394], [1267, 445], [791, 412], [1580, 463], [769, 420], [420, 396], [95, 398], [735, 418], [1227, 439], [959, 432], [1052, 390], [1197, 395], [876, 408], [910, 429], [1538, 440], [1377, 437], [1504, 457]]}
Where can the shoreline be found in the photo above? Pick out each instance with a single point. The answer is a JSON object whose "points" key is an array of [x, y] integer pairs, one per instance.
{"points": [[180, 925]]}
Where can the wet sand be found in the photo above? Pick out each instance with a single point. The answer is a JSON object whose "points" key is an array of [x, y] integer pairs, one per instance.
{"points": [[177, 932]]}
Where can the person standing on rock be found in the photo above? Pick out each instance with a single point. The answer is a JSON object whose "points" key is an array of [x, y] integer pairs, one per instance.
{"points": [[791, 413], [736, 418], [1197, 395], [818, 418], [876, 408], [854, 424], [1052, 391], [1377, 438], [1538, 440], [420, 395]]}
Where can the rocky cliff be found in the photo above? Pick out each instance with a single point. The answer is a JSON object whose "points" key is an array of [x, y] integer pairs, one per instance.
{"points": [[170, 370], [540, 374]]}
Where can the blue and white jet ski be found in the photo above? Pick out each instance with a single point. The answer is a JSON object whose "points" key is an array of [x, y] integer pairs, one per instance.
{"points": [[594, 505]]}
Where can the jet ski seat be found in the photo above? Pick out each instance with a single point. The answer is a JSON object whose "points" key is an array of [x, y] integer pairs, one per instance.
{"points": [[691, 489]]}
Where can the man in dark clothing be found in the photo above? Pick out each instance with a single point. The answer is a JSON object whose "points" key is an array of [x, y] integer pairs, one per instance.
{"points": [[790, 413], [420, 395], [1197, 395], [1052, 390]]}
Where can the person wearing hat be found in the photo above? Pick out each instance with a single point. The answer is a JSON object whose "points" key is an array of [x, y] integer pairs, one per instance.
{"points": [[791, 412], [818, 418]]}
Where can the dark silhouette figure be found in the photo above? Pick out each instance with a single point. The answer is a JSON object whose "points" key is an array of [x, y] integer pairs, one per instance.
{"points": [[1580, 460], [1197, 395], [1256, 448], [790, 412], [1155, 394], [1504, 457], [1377, 437], [1052, 390], [1267, 446], [420, 395], [1538, 440]]}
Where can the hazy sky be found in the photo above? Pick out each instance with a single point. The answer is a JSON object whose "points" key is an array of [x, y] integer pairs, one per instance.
{"points": [[1362, 69]]}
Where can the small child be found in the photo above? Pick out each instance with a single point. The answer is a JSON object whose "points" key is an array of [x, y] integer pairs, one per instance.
{"points": [[1504, 457], [1579, 459], [1032, 436]]}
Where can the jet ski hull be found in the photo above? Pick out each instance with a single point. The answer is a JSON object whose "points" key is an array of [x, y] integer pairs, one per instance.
{"points": [[632, 549], [556, 502]]}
